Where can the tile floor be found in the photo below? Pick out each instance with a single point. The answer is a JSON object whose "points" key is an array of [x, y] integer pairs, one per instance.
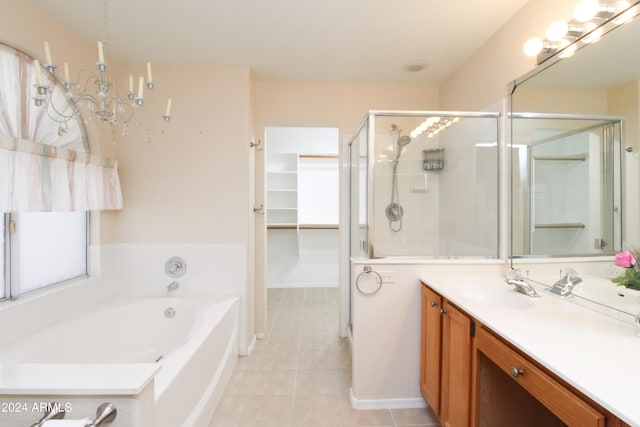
{"points": [[299, 376]]}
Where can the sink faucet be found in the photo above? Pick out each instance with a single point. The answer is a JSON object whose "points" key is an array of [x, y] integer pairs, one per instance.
{"points": [[172, 287], [568, 281], [520, 283]]}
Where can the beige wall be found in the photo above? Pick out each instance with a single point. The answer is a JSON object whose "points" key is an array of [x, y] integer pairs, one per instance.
{"points": [[186, 181], [483, 79]]}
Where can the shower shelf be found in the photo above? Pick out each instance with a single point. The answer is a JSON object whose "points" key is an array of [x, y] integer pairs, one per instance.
{"points": [[433, 159]]}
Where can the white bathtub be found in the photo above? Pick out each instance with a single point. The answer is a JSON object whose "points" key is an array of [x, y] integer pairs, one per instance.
{"points": [[196, 350]]}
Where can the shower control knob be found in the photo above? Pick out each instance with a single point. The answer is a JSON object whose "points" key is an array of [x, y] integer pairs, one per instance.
{"points": [[175, 267]]}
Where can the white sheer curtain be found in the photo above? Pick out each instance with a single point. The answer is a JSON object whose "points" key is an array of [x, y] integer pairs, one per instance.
{"points": [[46, 165]]}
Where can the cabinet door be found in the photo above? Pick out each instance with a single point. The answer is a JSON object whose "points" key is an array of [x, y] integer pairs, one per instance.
{"points": [[431, 347], [455, 405]]}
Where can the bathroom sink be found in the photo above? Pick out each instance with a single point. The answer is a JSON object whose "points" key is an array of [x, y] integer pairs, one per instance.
{"points": [[493, 293]]}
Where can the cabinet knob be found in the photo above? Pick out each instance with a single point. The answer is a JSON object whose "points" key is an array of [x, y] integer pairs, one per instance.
{"points": [[516, 372], [434, 304], [443, 311]]}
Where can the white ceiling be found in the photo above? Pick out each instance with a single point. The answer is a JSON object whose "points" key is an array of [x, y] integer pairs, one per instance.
{"points": [[295, 40]]}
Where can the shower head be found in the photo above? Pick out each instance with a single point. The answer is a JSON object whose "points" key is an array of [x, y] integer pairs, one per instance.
{"points": [[403, 140]]}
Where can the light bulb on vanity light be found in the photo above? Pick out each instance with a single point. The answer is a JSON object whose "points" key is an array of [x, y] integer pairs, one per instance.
{"points": [[533, 46], [557, 30], [586, 10]]}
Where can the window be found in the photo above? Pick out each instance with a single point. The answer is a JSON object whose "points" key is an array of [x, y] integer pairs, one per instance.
{"points": [[40, 247], [3, 273], [46, 248]]}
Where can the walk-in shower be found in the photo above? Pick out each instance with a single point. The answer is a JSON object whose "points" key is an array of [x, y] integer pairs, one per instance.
{"points": [[394, 210], [431, 194]]}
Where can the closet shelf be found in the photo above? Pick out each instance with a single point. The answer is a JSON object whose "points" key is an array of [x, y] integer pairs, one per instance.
{"points": [[578, 157], [318, 226], [561, 225]]}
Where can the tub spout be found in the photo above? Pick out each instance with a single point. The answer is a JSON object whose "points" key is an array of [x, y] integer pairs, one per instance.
{"points": [[172, 287]]}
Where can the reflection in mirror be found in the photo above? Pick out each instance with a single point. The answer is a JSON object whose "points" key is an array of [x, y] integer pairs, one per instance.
{"points": [[575, 162], [564, 175]]}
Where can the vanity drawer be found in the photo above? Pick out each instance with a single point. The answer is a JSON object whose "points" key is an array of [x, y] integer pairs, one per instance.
{"points": [[562, 402]]}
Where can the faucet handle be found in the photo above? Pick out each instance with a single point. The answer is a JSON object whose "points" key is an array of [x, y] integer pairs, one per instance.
{"points": [[514, 273]]}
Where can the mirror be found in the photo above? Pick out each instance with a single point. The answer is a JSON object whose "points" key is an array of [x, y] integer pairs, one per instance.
{"points": [[574, 160]]}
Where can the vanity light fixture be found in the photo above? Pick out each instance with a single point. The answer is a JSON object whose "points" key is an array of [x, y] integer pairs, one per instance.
{"points": [[589, 17]]}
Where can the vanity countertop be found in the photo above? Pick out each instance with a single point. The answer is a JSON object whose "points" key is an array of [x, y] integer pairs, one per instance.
{"points": [[594, 353]]}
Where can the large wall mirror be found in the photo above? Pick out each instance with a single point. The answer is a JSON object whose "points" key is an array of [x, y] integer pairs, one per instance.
{"points": [[575, 153]]}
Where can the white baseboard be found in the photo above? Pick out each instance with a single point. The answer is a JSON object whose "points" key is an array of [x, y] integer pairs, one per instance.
{"points": [[302, 285], [416, 402], [350, 338], [251, 347]]}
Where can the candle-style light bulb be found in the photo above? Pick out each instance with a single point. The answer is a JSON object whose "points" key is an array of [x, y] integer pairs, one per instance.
{"points": [[66, 72], [131, 83], [36, 65], [149, 76], [47, 53], [168, 112], [140, 87], [100, 52]]}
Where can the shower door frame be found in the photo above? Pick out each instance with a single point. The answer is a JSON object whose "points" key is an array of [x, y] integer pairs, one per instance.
{"points": [[371, 168]]}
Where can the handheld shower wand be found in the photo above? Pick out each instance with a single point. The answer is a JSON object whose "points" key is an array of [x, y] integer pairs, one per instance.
{"points": [[394, 211]]}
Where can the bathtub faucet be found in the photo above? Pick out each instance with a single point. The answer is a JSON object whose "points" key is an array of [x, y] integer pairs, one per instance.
{"points": [[172, 287]]}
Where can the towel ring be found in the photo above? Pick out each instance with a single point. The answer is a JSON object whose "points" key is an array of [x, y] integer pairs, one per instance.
{"points": [[368, 270]]}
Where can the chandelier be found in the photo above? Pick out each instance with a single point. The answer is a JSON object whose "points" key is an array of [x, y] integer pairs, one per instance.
{"points": [[112, 101]]}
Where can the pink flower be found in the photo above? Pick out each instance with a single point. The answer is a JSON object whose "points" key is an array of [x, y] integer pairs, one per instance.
{"points": [[625, 259]]}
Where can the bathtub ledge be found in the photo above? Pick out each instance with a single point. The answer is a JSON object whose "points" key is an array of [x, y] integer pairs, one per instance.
{"points": [[76, 379]]}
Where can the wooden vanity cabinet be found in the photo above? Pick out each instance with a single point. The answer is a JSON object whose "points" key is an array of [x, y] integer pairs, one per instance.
{"points": [[528, 395], [471, 377], [455, 400], [446, 359], [430, 346]]}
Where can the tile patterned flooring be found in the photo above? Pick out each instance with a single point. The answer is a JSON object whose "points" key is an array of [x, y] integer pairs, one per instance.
{"points": [[300, 374]]}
